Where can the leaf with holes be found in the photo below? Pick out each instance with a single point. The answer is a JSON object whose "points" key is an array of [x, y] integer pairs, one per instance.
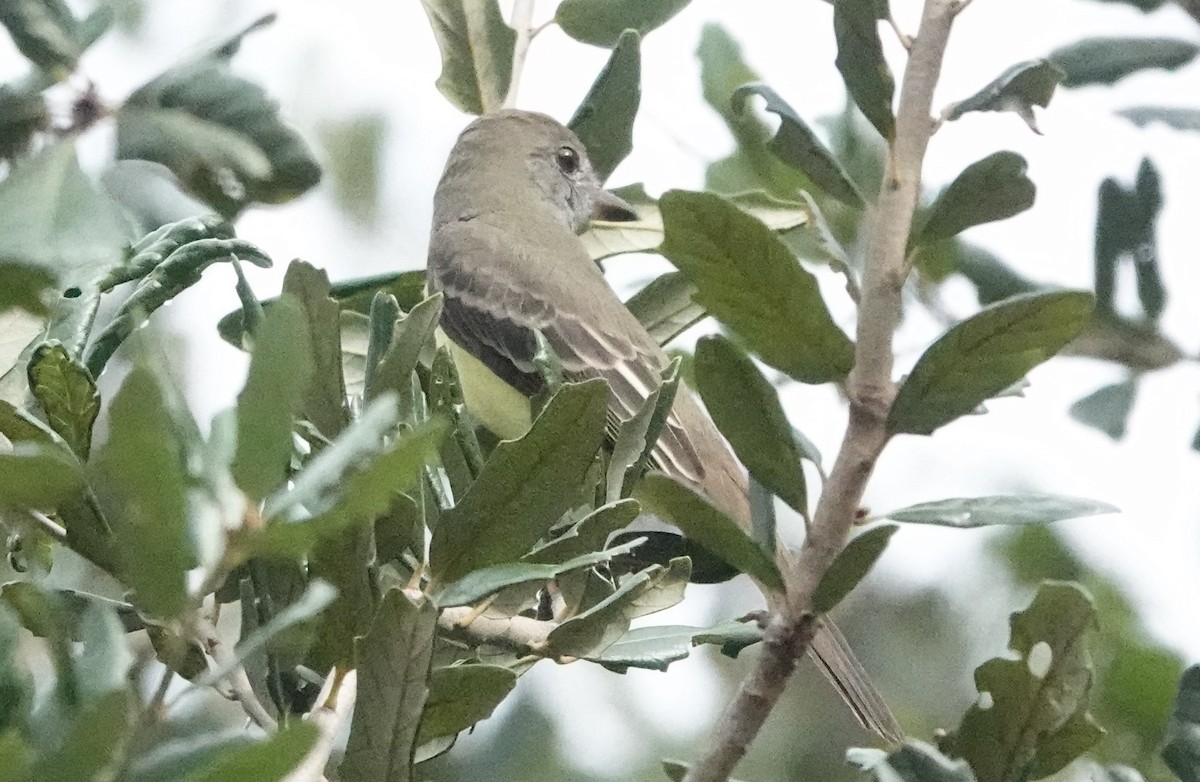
{"points": [[1032, 717]]}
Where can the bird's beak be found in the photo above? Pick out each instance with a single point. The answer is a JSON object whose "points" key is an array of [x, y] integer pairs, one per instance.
{"points": [[612, 208]]}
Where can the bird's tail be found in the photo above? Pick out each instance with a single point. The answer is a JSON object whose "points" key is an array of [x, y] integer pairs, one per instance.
{"points": [[725, 485], [833, 656]]}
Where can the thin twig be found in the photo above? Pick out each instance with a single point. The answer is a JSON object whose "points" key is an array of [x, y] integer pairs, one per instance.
{"points": [[516, 633], [870, 392], [522, 22], [49, 526], [329, 718], [239, 683]]}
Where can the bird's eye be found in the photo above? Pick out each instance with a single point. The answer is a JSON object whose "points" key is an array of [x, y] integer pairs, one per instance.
{"points": [[567, 160]]}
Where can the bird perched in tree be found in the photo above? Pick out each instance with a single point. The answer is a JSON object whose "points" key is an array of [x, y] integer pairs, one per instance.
{"points": [[505, 252]]}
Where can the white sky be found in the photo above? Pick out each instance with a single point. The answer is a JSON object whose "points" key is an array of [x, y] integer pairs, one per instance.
{"points": [[328, 61]]}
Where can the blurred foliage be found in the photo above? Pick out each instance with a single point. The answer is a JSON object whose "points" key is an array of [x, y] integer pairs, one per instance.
{"points": [[305, 510]]}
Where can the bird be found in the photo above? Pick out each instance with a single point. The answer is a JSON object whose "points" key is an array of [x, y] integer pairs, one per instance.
{"points": [[505, 253]]}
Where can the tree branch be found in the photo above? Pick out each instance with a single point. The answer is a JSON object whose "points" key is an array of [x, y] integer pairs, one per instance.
{"points": [[515, 633], [522, 22], [870, 389]]}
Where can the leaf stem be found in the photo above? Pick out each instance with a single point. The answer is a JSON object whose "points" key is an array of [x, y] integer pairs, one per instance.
{"points": [[522, 22], [870, 390]]}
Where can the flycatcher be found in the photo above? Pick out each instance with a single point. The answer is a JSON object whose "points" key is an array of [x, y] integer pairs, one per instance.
{"points": [[517, 191]]}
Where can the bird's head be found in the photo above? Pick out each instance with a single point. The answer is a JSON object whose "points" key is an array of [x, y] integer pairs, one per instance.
{"points": [[508, 155]]}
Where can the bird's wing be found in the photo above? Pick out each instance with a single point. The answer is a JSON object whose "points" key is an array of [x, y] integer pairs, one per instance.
{"points": [[495, 301]]}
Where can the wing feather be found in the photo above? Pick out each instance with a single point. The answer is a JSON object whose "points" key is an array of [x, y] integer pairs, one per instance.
{"points": [[494, 317]]}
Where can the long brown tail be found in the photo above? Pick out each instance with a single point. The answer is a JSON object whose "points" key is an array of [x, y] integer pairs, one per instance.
{"points": [[725, 484], [832, 654]]}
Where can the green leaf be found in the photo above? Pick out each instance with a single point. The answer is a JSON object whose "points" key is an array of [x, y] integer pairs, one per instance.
{"points": [[633, 446], [665, 306], [814, 241], [1107, 60], [604, 120], [862, 65], [316, 597], [142, 468], [985, 354], [915, 761], [972, 512], [477, 52], [586, 535], [746, 409], [325, 406], [480, 583], [702, 523], [67, 394], [601, 22], [525, 486], [177, 272], [220, 134], [323, 480], [1031, 719], [38, 476], [656, 647], [606, 239], [851, 566], [1172, 117], [1018, 89], [797, 145], [1181, 750], [364, 477], [751, 166], [747, 278], [588, 634], [1107, 408], [991, 189], [265, 761], [411, 335], [462, 695], [56, 228], [46, 32], [269, 401], [393, 675]]}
